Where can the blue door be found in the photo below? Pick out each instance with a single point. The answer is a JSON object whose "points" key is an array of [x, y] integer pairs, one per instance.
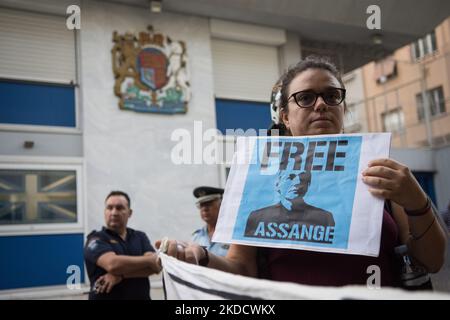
{"points": [[426, 181]]}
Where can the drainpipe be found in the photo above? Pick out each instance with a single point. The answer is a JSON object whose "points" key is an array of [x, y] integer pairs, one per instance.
{"points": [[426, 105]]}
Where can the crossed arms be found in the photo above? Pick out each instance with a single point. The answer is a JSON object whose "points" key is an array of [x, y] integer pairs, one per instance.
{"points": [[119, 267]]}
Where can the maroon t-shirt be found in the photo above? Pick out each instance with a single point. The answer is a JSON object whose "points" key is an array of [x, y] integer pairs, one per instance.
{"points": [[332, 269]]}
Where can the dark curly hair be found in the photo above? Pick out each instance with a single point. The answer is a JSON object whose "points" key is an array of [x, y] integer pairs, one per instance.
{"points": [[310, 62]]}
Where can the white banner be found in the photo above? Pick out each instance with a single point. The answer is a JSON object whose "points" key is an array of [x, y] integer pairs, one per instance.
{"points": [[185, 281], [304, 193]]}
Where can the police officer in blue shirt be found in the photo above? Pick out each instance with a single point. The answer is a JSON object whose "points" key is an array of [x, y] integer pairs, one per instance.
{"points": [[208, 201], [118, 259]]}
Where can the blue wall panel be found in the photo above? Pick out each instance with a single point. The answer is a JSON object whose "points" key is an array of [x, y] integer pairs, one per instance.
{"points": [[37, 104], [30, 261], [232, 114]]}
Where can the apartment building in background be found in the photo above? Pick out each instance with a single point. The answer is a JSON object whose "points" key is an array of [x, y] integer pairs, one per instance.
{"points": [[407, 93], [395, 88]]}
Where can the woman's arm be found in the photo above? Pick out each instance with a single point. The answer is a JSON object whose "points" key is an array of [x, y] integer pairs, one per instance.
{"points": [[239, 260], [423, 234], [424, 237]]}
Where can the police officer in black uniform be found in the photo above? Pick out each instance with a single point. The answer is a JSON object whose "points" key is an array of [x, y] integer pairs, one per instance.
{"points": [[118, 259]]}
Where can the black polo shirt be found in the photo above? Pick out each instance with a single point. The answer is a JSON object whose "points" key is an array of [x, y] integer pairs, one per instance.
{"points": [[135, 244]]}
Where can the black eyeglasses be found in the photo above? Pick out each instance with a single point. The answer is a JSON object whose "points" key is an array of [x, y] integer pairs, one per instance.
{"points": [[308, 98]]}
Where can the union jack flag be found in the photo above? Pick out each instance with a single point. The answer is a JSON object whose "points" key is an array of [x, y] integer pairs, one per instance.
{"points": [[37, 196]]}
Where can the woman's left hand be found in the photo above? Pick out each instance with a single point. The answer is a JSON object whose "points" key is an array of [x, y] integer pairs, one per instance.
{"points": [[391, 180]]}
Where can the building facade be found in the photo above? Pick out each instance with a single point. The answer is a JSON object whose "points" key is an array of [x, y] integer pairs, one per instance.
{"points": [[395, 88], [65, 143]]}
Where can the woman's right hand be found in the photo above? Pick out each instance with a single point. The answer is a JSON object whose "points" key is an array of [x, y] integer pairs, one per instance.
{"points": [[189, 252]]}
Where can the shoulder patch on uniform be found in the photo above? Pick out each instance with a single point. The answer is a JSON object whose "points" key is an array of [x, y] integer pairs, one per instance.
{"points": [[93, 244]]}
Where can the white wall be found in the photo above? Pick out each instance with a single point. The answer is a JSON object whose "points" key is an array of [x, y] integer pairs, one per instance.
{"points": [[45, 144], [131, 151], [442, 178], [415, 159], [436, 161], [290, 52]]}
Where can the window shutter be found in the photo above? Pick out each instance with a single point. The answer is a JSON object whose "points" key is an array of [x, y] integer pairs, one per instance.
{"points": [[36, 47], [244, 71]]}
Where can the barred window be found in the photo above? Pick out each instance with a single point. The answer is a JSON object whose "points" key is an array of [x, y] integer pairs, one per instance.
{"points": [[436, 102]]}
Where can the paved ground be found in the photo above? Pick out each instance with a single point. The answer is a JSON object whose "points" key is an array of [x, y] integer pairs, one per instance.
{"points": [[441, 280]]}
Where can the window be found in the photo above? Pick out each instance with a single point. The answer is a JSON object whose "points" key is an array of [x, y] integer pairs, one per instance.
{"points": [[36, 47], [385, 69], [244, 71], [29, 103], [436, 103], [393, 121], [37, 72], [242, 115], [38, 196], [424, 46]]}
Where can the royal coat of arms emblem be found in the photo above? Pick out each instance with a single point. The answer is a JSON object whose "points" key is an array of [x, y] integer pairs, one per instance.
{"points": [[150, 72]]}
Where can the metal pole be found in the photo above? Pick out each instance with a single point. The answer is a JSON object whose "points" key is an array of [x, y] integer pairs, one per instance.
{"points": [[384, 80], [402, 129], [426, 105]]}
